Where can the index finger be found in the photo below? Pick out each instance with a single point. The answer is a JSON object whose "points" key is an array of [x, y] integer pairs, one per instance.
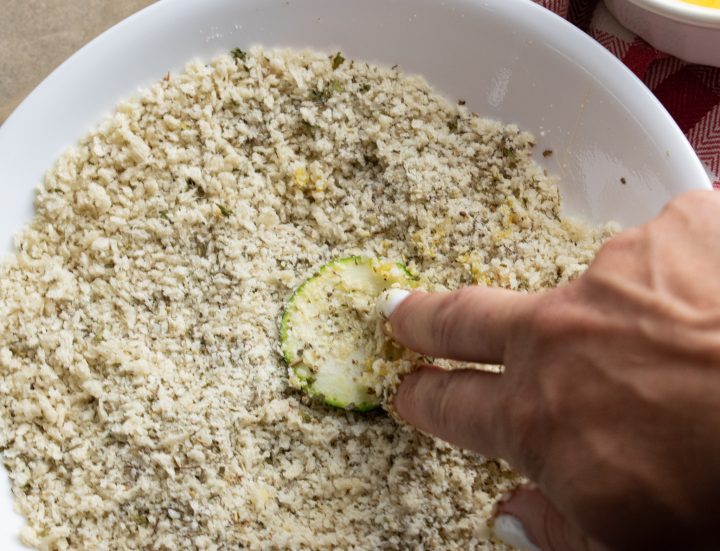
{"points": [[471, 324]]}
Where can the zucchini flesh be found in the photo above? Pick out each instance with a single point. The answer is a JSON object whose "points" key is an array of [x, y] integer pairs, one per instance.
{"points": [[330, 332]]}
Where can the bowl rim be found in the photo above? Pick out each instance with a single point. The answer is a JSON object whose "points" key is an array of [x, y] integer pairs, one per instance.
{"points": [[681, 11]]}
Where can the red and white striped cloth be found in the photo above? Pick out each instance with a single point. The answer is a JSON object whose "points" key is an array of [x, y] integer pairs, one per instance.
{"points": [[691, 93]]}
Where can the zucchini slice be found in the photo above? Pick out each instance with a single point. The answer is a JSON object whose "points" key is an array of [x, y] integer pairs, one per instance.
{"points": [[330, 332]]}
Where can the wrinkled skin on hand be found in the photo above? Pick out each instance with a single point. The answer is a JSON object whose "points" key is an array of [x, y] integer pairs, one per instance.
{"points": [[610, 399]]}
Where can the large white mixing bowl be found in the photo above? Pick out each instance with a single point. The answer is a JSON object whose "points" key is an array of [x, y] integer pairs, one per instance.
{"points": [[618, 153]]}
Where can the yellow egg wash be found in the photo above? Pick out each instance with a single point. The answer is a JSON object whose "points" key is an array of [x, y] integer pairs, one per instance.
{"points": [[705, 3]]}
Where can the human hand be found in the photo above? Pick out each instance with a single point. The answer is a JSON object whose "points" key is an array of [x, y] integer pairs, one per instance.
{"points": [[610, 399]]}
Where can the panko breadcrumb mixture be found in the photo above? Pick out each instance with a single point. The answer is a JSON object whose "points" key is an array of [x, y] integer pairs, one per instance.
{"points": [[144, 402]]}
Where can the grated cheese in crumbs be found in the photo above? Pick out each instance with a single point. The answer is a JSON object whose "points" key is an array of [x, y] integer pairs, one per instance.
{"points": [[143, 400]]}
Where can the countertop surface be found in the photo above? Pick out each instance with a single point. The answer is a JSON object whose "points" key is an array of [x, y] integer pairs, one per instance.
{"points": [[38, 35]]}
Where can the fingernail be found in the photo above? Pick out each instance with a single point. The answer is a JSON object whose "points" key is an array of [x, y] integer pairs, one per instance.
{"points": [[389, 300], [507, 496], [510, 531]]}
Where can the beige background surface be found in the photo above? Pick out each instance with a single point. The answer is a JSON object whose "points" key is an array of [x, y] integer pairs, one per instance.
{"points": [[37, 35]]}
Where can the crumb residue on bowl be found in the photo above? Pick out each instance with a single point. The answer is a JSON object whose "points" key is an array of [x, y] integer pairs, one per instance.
{"points": [[144, 399]]}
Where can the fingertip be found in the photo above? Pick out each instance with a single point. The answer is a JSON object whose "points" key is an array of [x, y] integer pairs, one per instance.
{"points": [[389, 300], [511, 531], [528, 506], [540, 522]]}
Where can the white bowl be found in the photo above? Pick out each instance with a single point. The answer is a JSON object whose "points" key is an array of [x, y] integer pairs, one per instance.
{"points": [[687, 31], [509, 59]]}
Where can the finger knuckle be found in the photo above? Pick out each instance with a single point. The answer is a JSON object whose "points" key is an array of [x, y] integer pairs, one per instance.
{"points": [[620, 244], [699, 207], [441, 405], [550, 319], [688, 205], [446, 319], [691, 199], [523, 424]]}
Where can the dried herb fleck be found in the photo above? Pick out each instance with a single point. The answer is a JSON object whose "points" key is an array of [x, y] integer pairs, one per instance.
{"points": [[461, 102], [365, 88], [337, 60], [547, 153], [623, 181], [326, 93], [226, 212], [192, 184], [140, 520], [336, 86], [164, 216], [321, 95], [237, 53], [307, 127]]}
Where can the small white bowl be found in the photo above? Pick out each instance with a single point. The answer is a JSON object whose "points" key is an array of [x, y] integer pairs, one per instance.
{"points": [[685, 30]]}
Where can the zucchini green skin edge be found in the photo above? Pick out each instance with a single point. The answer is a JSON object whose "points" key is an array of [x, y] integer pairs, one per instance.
{"points": [[411, 280]]}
